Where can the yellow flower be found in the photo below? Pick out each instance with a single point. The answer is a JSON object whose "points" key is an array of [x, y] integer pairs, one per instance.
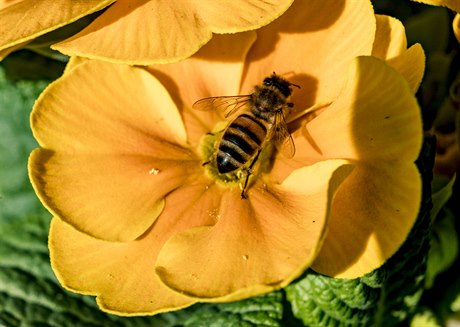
{"points": [[133, 31], [143, 225]]}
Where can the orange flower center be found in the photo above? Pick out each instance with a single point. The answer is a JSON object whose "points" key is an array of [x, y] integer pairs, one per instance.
{"points": [[216, 153]]}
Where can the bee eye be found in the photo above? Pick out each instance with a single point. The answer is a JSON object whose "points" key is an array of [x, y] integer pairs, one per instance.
{"points": [[268, 82]]}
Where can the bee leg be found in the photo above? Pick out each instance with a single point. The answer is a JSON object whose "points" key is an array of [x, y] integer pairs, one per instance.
{"points": [[206, 162], [245, 185], [248, 174]]}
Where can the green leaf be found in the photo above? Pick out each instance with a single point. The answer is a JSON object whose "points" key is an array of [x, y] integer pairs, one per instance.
{"points": [[426, 318], [263, 311], [444, 247], [324, 301], [385, 297], [455, 305], [16, 142], [444, 242]]}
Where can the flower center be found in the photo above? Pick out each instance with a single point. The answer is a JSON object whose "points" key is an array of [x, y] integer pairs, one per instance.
{"points": [[226, 159]]}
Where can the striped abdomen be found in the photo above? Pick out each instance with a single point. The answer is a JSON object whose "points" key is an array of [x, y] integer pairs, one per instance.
{"points": [[241, 141]]}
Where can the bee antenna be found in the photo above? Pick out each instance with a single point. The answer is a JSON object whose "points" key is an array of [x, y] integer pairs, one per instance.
{"points": [[298, 86]]}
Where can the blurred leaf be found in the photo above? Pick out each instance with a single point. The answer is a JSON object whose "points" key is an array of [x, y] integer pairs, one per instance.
{"points": [[444, 241], [16, 142], [433, 93], [455, 306], [441, 196], [455, 99], [28, 65], [398, 9], [444, 297], [385, 297], [431, 28], [424, 318], [444, 247]]}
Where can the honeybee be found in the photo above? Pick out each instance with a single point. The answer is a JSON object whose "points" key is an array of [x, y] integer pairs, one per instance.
{"points": [[261, 120]]}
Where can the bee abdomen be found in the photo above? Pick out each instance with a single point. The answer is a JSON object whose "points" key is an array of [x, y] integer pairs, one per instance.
{"points": [[241, 140]]}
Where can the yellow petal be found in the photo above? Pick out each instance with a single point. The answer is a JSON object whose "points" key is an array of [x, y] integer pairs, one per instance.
{"points": [[240, 15], [215, 70], [106, 108], [456, 26], [121, 275], [112, 197], [28, 19], [411, 65], [6, 3], [114, 150], [375, 117], [390, 38], [312, 45], [258, 244], [390, 44], [74, 62], [140, 32], [6, 51], [452, 4], [372, 214], [149, 32]]}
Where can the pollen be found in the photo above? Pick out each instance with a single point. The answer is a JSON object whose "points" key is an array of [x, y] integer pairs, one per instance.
{"points": [[154, 171], [209, 146]]}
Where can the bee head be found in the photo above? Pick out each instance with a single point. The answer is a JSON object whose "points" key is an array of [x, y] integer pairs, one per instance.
{"points": [[280, 84]]}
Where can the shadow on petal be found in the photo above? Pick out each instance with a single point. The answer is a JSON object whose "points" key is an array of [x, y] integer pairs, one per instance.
{"points": [[375, 117], [317, 38], [301, 17], [372, 214]]}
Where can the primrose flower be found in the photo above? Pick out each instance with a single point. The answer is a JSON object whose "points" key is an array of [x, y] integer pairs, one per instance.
{"points": [[141, 223], [133, 31]]}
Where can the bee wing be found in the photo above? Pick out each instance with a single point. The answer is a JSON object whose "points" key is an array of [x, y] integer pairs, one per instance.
{"points": [[281, 137], [224, 105]]}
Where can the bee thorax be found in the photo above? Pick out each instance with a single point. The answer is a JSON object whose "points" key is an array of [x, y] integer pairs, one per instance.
{"points": [[266, 101]]}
